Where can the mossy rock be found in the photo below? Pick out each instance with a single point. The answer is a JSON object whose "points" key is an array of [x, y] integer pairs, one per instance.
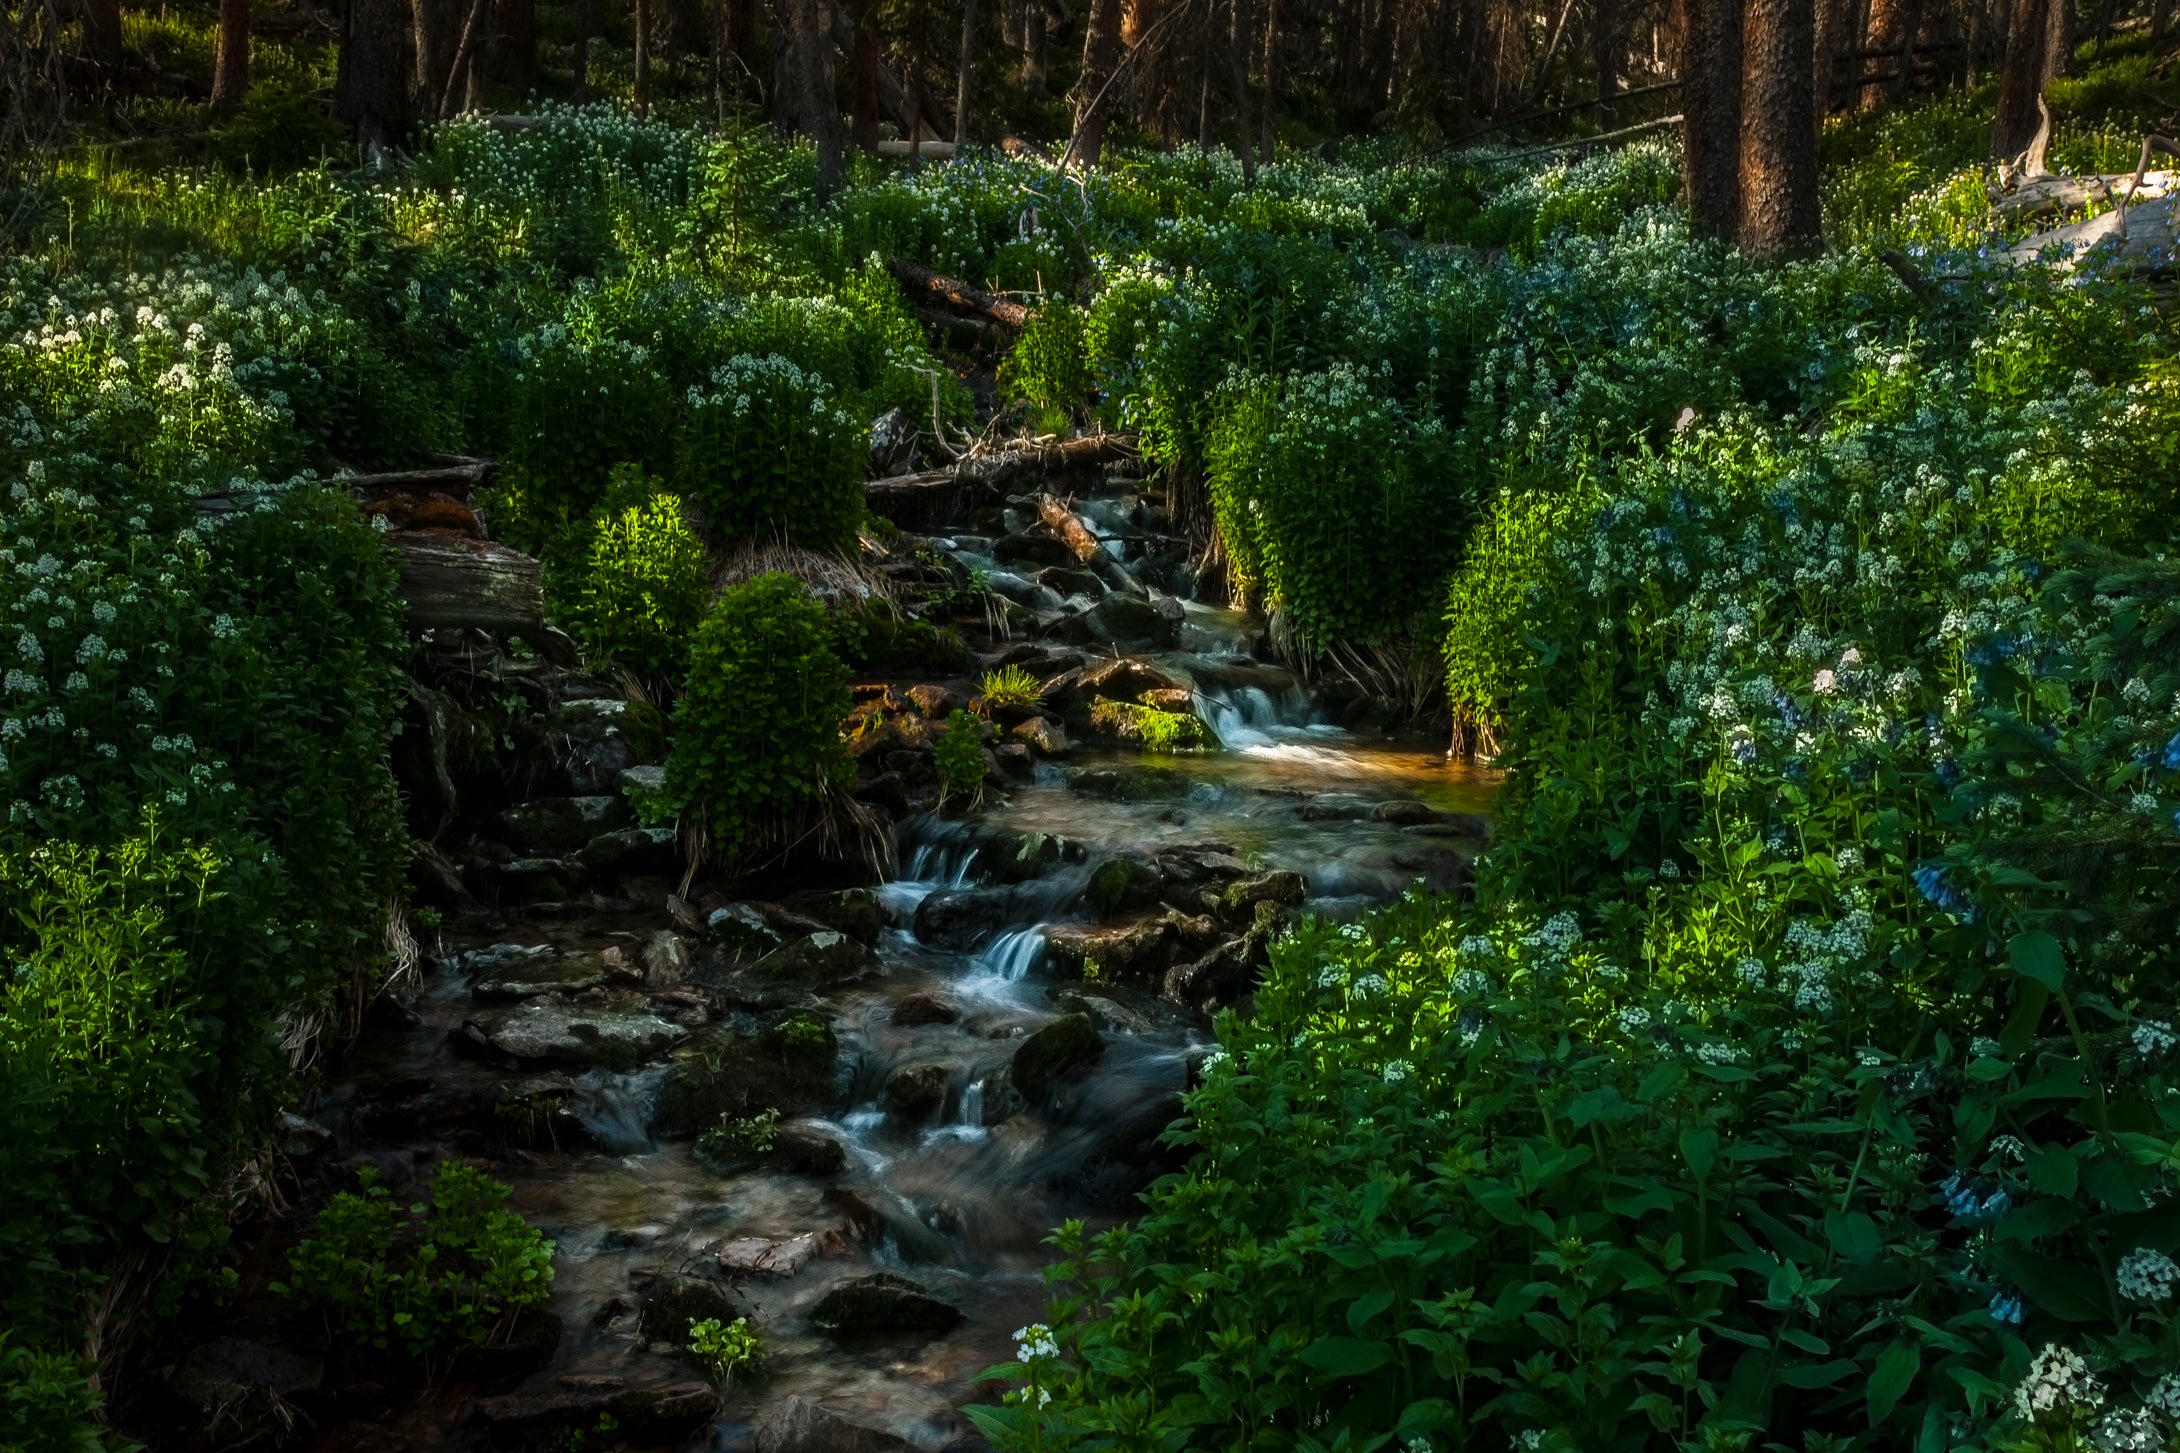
{"points": [[1054, 1052], [789, 1067], [1121, 883]]}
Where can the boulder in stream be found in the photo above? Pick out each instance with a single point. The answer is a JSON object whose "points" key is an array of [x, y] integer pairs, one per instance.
{"points": [[1240, 898], [641, 1415], [1042, 735], [853, 911], [564, 1034], [633, 850], [881, 1304], [679, 1298], [763, 1256], [914, 1093], [1129, 951], [926, 1006], [797, 1425], [553, 971], [1054, 1052], [961, 918], [1121, 883], [724, 1073], [1403, 812]]}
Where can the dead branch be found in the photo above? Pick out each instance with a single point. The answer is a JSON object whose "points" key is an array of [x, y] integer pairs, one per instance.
{"points": [[956, 294], [1068, 525], [1025, 457]]}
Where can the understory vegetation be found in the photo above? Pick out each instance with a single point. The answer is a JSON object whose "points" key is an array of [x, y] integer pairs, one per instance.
{"points": [[1802, 1072]]}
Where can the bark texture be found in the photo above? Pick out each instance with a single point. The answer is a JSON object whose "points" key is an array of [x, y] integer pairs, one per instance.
{"points": [[1710, 70], [2021, 78], [372, 92], [1093, 100], [231, 60], [1778, 160]]}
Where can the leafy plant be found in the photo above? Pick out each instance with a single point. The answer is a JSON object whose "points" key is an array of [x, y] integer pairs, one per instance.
{"points": [[738, 1141], [1156, 729], [757, 731], [645, 590], [728, 1351], [457, 1271], [766, 450], [1049, 365], [958, 753]]}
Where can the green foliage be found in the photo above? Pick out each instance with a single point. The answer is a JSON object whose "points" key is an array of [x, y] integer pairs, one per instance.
{"points": [[766, 452], [1010, 686], [727, 1351], [737, 1142], [280, 128], [1508, 566], [1155, 729], [47, 1402], [757, 731], [1049, 366], [644, 590], [1334, 502], [455, 1272], [958, 753]]}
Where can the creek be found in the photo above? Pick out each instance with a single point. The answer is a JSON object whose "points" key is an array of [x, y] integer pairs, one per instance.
{"points": [[1009, 1018]]}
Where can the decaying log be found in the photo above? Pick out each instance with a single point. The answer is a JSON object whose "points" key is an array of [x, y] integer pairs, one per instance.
{"points": [[450, 474], [1027, 457], [455, 582], [2048, 196], [1065, 523], [932, 150], [956, 294]]}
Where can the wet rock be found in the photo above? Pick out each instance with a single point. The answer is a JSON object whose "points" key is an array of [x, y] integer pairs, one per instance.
{"points": [[1240, 898], [758, 1256], [1124, 619], [679, 1298], [1210, 982], [1403, 812], [852, 911], [563, 824], [789, 1067], [641, 1415], [893, 440], [1054, 1052], [888, 790], [230, 1373], [1011, 857], [301, 1138], [646, 777], [796, 1425], [1473, 826], [1027, 549], [1071, 580], [811, 964], [926, 1007], [882, 1303], [1137, 951], [633, 850], [1336, 807], [564, 1034], [528, 1346], [1013, 761], [742, 930], [1199, 864], [666, 960], [1130, 784], [1125, 678], [1173, 699], [1043, 735], [528, 880], [915, 1093], [1119, 1009], [934, 700], [555, 971], [1122, 883], [806, 1150], [961, 919]]}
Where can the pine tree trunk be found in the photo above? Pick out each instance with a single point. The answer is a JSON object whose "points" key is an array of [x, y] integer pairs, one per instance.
{"points": [[640, 23], [2160, 17], [1881, 33], [1269, 135], [231, 64], [1100, 44], [1710, 73], [863, 79], [2058, 38], [102, 30], [1778, 165], [809, 44], [1035, 25], [1903, 71], [1605, 55], [431, 42], [513, 53], [1237, 62], [372, 92], [2021, 78], [1832, 18], [965, 80]]}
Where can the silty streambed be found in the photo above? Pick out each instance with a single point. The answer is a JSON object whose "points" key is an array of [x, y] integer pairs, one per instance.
{"points": [[957, 1190]]}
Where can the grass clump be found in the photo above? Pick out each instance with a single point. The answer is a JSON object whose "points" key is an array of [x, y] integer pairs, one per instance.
{"points": [[1010, 686]]}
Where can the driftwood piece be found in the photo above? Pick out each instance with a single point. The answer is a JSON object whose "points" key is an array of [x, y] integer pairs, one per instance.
{"points": [[1068, 525], [1034, 456], [956, 294]]}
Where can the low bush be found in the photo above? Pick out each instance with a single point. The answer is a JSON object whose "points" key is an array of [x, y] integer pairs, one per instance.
{"points": [[1049, 367], [1010, 686], [644, 590], [757, 746], [958, 753], [766, 452], [453, 1272]]}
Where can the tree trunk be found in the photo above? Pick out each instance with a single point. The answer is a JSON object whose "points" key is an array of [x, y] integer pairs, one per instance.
{"points": [[231, 65], [432, 42], [372, 92], [1100, 43], [1605, 56], [102, 30], [1710, 74], [640, 22], [2021, 78], [1911, 24], [1778, 202], [1269, 135], [1035, 25], [863, 79], [2058, 38], [1881, 34], [965, 80], [809, 46], [2160, 17], [1237, 59], [1832, 18], [513, 53]]}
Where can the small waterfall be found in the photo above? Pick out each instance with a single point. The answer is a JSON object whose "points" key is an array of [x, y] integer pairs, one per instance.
{"points": [[1011, 956], [968, 1121], [1242, 717], [616, 1108]]}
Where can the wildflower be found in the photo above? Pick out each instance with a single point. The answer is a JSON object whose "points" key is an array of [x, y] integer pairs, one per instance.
{"points": [[2165, 1396], [2153, 1037], [1397, 1070], [1369, 986], [1750, 971], [1634, 1019], [2006, 1308], [1472, 983], [1035, 1341], [1476, 945], [2009, 1147], [1669, 869], [2147, 1275], [2128, 1430], [1825, 682], [2058, 1382]]}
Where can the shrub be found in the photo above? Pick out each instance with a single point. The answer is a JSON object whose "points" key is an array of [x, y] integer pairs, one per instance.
{"points": [[757, 731], [735, 1143], [1509, 567], [578, 409], [456, 1272], [958, 752], [279, 128], [47, 1401], [767, 452], [644, 590], [1049, 366]]}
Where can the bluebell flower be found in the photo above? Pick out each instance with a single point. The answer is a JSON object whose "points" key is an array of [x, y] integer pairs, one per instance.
{"points": [[2172, 753], [1949, 772], [1930, 882], [2007, 1308]]}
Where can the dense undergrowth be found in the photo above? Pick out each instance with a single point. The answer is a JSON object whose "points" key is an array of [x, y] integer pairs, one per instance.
{"points": [[1803, 1061]]}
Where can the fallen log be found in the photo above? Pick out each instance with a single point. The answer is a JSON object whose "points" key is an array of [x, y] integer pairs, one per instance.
{"points": [[956, 294], [1068, 525], [2048, 196], [1032, 456], [449, 581], [450, 474], [933, 150]]}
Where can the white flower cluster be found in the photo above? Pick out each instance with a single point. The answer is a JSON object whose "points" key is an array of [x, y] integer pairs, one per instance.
{"points": [[2147, 1275], [1035, 1341], [2058, 1382]]}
